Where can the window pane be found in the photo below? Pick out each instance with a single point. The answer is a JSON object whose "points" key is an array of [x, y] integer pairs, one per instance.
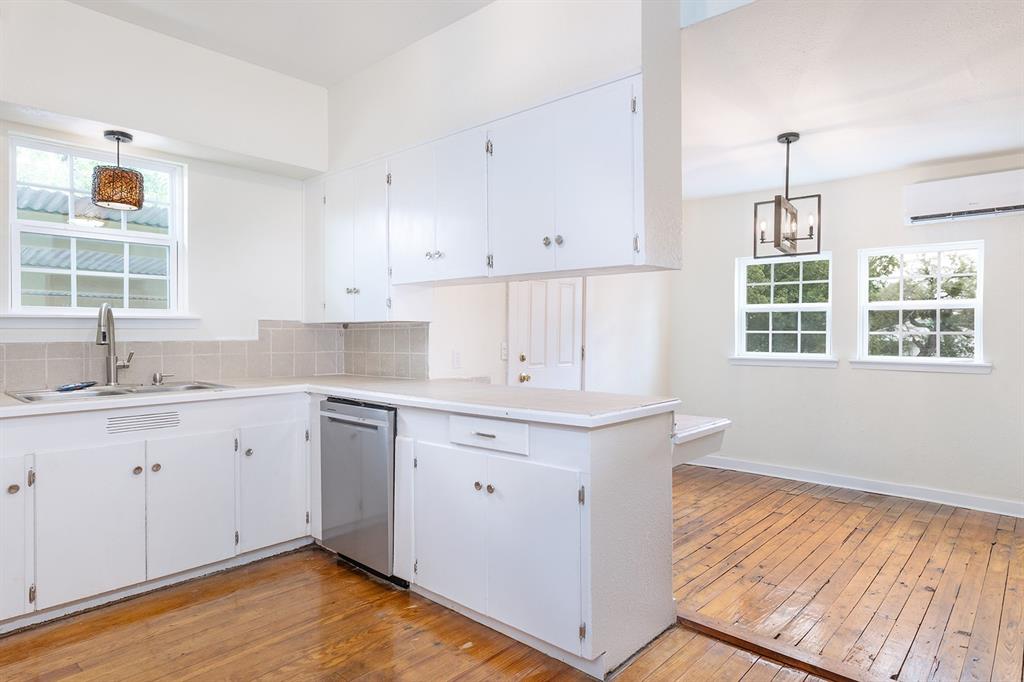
{"points": [[784, 343], [88, 214], [787, 293], [787, 272], [147, 293], [919, 345], [81, 171], [44, 251], [883, 266], [151, 218], [883, 290], [957, 345], [759, 273], [144, 259], [812, 343], [100, 256], [757, 343], [918, 321], [883, 344], [960, 262], [957, 320], [39, 167], [816, 293], [41, 288], [758, 293], [93, 291], [757, 321], [919, 265], [157, 185], [784, 321], [883, 320], [919, 289], [815, 269], [813, 321], [960, 287], [47, 205]]}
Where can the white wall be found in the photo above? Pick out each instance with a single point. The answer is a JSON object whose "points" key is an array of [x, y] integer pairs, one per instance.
{"points": [[472, 322], [62, 58], [244, 252], [953, 432]]}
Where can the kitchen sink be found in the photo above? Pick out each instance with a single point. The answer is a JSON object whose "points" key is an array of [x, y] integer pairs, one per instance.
{"points": [[48, 396]]}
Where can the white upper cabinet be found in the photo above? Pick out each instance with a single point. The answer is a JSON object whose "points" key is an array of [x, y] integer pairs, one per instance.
{"points": [[460, 171], [338, 264], [521, 192], [370, 250], [412, 215]]}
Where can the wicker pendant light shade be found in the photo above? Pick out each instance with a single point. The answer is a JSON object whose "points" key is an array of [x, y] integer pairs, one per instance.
{"points": [[115, 187]]}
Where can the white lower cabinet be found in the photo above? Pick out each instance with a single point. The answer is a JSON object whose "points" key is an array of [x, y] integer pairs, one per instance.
{"points": [[190, 501], [271, 484], [90, 521]]}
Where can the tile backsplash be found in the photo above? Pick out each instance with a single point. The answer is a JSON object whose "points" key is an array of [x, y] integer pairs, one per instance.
{"points": [[282, 349]]}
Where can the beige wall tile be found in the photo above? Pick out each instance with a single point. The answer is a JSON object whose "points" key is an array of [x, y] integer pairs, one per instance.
{"points": [[181, 366], [326, 340], [142, 369], [22, 374], [282, 364], [178, 348], [326, 363], [387, 340], [305, 340], [24, 351], [257, 365], [418, 366], [418, 340], [232, 367], [305, 364], [60, 371], [387, 364], [402, 365], [206, 347], [372, 364], [269, 324], [232, 347], [402, 340], [72, 349], [355, 362], [282, 341], [372, 340], [140, 348], [206, 367]]}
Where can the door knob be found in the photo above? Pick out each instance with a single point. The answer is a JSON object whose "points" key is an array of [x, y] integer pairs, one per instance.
{"points": [[14, 488], [477, 485], [157, 467], [137, 470], [248, 452], [546, 241], [524, 377], [559, 240], [490, 489]]}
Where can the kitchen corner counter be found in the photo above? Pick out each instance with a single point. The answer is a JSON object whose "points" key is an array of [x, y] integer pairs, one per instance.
{"points": [[554, 406]]}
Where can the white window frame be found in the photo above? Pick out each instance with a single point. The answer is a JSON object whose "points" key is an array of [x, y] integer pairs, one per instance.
{"points": [[174, 239], [976, 364], [741, 356]]}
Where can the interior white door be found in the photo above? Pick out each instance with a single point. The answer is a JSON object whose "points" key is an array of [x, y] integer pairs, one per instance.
{"points": [[90, 521], [412, 214], [460, 163], [339, 227], [450, 528], [521, 192], [594, 177], [271, 484], [533, 550], [370, 252], [16, 554], [190, 502], [545, 333]]}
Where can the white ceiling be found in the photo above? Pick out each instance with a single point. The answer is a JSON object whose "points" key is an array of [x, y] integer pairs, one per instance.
{"points": [[871, 86], [320, 41]]}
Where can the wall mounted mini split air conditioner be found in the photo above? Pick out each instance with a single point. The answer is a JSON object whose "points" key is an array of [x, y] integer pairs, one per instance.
{"points": [[974, 196]]}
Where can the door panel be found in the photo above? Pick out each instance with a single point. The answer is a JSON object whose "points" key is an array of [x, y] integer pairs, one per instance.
{"points": [[371, 243], [412, 201], [533, 550], [190, 502], [521, 192], [15, 536], [594, 177], [271, 484], [461, 166], [90, 521], [545, 330], [450, 529], [339, 226]]}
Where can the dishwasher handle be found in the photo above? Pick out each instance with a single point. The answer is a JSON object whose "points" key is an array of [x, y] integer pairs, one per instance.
{"points": [[354, 421]]}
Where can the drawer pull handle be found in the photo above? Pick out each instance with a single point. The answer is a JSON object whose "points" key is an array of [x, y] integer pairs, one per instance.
{"points": [[14, 488], [490, 488], [484, 435], [477, 485]]}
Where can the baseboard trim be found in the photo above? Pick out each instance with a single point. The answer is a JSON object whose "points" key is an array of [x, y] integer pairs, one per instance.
{"points": [[916, 492]]}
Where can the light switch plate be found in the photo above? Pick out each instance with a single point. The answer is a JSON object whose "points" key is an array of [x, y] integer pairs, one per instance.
{"points": [[503, 351]]}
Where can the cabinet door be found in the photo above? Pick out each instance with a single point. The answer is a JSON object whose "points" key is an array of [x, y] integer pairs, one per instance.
{"points": [[594, 177], [370, 250], [339, 221], [271, 484], [190, 502], [521, 192], [411, 216], [15, 536], [461, 166], [90, 521], [533, 550], [450, 528]]}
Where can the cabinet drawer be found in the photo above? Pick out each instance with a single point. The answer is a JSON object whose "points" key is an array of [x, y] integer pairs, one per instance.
{"points": [[492, 434]]}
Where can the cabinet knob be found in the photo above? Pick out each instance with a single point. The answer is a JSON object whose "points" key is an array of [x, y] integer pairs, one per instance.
{"points": [[137, 470], [248, 452], [157, 467], [559, 240], [355, 290], [546, 241], [490, 489], [14, 488], [439, 254], [348, 290], [429, 255], [475, 485], [524, 377], [522, 357]]}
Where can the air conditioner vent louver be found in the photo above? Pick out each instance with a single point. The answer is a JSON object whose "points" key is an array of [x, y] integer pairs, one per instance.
{"points": [[974, 213], [966, 198], [143, 422]]}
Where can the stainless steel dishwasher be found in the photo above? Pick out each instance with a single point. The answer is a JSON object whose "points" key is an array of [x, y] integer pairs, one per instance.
{"points": [[357, 474]]}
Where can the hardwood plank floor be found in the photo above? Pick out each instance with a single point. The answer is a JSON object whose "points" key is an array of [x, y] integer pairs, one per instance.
{"points": [[896, 588], [301, 617]]}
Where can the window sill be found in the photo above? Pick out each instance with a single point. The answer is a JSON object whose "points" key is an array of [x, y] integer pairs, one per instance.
{"points": [[88, 320], [924, 366], [817, 362]]}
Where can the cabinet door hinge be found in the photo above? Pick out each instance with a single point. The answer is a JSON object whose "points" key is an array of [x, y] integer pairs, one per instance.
{"points": [[583, 630], [31, 477], [236, 537], [32, 594], [632, 105], [416, 566], [583, 352], [489, 148], [325, 201], [307, 517], [582, 496], [636, 243], [387, 302], [490, 260], [236, 445], [389, 271], [389, 178]]}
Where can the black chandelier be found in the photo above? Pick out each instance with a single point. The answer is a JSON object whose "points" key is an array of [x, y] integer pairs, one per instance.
{"points": [[777, 223]]}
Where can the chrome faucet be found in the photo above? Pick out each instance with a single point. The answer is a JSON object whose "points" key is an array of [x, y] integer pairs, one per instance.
{"points": [[105, 337]]}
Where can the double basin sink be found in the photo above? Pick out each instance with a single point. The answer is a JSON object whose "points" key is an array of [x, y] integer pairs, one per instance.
{"points": [[47, 396]]}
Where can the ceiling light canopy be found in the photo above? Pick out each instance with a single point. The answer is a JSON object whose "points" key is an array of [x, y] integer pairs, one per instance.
{"points": [[786, 217], [116, 187]]}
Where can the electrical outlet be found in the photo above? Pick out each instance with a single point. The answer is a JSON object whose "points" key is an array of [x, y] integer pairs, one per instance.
{"points": [[503, 351], [456, 360]]}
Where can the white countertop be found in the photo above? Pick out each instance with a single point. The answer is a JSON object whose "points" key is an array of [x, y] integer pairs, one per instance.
{"points": [[554, 406]]}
